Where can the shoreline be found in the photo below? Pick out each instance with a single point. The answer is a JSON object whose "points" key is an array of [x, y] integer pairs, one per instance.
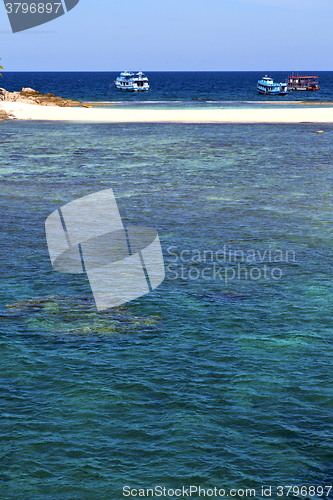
{"points": [[35, 112]]}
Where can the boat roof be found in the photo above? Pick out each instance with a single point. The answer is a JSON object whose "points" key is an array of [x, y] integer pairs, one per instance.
{"points": [[270, 82], [266, 78], [302, 77]]}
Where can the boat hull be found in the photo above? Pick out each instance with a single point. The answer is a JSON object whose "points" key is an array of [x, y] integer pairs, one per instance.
{"points": [[131, 89], [271, 92], [302, 89]]}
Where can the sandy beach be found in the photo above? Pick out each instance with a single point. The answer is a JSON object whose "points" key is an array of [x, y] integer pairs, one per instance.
{"points": [[24, 111]]}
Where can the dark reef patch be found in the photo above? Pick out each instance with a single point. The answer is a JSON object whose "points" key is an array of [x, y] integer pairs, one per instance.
{"points": [[76, 314]]}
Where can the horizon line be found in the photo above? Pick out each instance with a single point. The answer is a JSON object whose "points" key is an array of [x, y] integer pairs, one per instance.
{"points": [[171, 71]]}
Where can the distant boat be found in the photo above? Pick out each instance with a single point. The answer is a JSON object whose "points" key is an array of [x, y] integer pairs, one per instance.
{"points": [[267, 86], [132, 81], [303, 83]]}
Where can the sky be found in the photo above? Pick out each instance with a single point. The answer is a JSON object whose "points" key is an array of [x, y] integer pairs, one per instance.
{"points": [[176, 35]]}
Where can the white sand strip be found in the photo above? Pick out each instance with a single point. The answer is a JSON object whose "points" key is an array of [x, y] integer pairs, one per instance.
{"points": [[116, 115]]}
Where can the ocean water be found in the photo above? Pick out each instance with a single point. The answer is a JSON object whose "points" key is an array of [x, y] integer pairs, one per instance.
{"points": [[222, 376], [190, 88]]}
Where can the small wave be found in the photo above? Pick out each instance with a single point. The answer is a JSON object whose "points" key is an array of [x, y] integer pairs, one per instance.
{"points": [[197, 100]]}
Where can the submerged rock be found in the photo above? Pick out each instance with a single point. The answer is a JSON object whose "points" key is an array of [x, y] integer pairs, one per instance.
{"points": [[76, 314]]}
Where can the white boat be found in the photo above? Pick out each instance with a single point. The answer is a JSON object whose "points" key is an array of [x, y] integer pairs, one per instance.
{"points": [[132, 81], [268, 86]]}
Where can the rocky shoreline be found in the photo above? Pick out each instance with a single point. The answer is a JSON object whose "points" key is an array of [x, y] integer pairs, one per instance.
{"points": [[31, 96]]}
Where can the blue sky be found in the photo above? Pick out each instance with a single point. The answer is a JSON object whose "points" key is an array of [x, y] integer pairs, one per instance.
{"points": [[176, 35]]}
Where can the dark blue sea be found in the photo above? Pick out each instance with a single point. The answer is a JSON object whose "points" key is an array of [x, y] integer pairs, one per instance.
{"points": [[179, 88], [220, 378]]}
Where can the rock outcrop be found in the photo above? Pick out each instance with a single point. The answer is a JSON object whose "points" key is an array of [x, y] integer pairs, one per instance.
{"points": [[31, 96], [3, 115]]}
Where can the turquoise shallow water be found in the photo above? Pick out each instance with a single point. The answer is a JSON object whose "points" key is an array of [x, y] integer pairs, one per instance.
{"points": [[201, 382]]}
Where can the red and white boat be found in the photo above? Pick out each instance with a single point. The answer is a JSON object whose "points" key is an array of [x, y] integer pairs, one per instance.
{"points": [[303, 83]]}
